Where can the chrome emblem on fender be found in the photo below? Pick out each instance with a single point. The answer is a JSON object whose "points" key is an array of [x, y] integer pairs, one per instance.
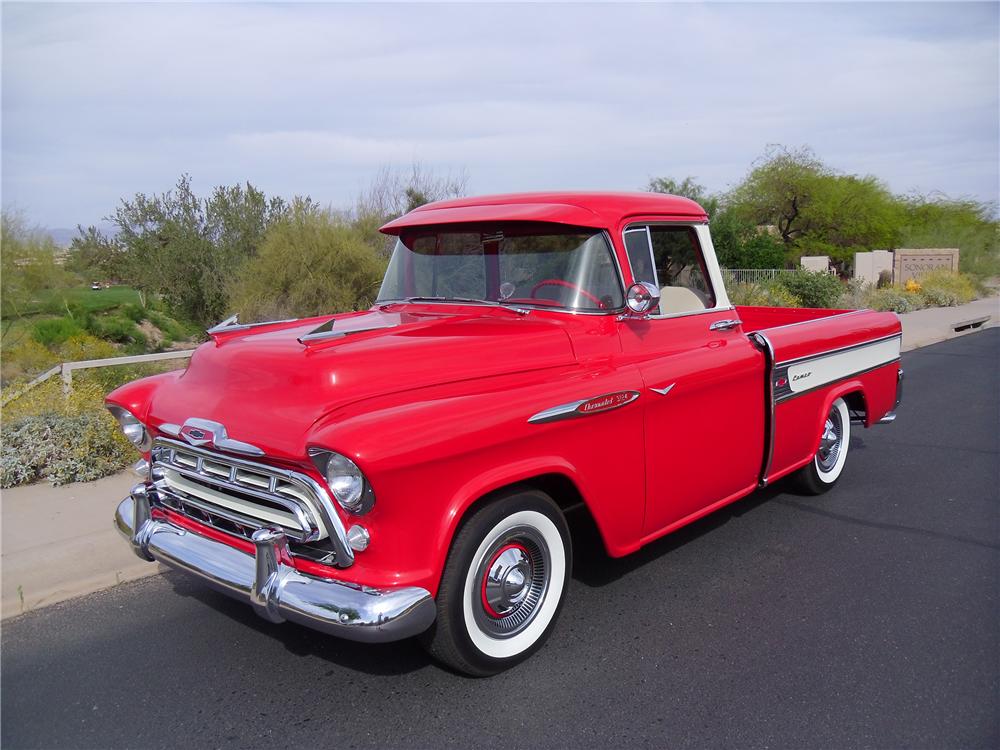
{"points": [[585, 407]]}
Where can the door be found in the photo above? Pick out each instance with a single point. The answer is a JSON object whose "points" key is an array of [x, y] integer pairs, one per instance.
{"points": [[703, 379]]}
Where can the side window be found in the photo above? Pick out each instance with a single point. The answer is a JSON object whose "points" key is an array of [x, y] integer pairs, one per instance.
{"points": [[679, 269]]}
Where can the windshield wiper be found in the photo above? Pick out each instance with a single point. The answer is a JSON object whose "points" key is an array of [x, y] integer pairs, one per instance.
{"points": [[460, 300]]}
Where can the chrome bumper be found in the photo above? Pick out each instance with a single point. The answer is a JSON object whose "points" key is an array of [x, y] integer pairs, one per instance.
{"points": [[890, 417], [276, 591]]}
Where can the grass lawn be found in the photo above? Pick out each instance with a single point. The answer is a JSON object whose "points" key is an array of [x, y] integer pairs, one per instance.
{"points": [[83, 298]]}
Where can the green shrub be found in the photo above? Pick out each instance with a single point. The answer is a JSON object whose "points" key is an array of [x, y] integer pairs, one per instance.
{"points": [[170, 327], [944, 288], [62, 448], [766, 294], [133, 312], [53, 331], [119, 330], [894, 299], [814, 289]]}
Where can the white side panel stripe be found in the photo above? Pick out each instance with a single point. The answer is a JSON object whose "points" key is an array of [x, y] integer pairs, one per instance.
{"points": [[828, 368]]}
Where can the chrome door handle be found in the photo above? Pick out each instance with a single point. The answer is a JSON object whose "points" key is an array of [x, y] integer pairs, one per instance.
{"points": [[723, 325]]}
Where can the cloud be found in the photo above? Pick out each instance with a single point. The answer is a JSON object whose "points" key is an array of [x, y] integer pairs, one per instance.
{"points": [[101, 101]]}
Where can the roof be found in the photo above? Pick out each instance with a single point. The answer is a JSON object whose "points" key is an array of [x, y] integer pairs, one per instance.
{"points": [[575, 208]]}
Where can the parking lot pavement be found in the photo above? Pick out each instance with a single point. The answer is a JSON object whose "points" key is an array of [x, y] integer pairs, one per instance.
{"points": [[863, 618]]}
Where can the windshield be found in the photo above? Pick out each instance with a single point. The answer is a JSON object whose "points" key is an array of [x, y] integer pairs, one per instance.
{"points": [[541, 265]]}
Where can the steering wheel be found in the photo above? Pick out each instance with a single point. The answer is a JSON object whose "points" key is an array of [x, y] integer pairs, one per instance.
{"points": [[568, 285]]}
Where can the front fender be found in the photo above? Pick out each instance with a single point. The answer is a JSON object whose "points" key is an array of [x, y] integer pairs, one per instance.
{"points": [[431, 454]]}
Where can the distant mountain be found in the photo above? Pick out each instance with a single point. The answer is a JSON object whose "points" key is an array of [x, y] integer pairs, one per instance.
{"points": [[63, 236]]}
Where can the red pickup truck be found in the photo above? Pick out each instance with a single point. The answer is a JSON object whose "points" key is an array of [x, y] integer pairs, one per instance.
{"points": [[408, 470]]}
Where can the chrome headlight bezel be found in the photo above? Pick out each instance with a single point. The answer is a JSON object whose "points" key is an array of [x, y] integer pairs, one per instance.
{"points": [[347, 483], [132, 428]]}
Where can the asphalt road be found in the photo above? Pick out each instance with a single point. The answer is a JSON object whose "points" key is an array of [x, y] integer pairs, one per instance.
{"points": [[864, 618]]}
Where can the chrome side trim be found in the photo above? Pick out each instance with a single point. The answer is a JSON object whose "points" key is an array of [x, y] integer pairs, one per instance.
{"points": [[331, 520], [276, 591], [663, 391], [575, 409], [839, 350], [764, 344]]}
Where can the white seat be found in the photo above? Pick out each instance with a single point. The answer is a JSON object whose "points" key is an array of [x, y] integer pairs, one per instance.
{"points": [[680, 299]]}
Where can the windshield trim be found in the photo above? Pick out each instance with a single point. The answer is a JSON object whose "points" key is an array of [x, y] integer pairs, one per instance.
{"points": [[528, 306]]}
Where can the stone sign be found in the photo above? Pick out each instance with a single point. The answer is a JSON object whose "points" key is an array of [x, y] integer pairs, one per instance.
{"points": [[909, 264]]}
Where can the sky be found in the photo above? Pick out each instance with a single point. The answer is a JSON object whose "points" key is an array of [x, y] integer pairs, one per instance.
{"points": [[100, 102]]}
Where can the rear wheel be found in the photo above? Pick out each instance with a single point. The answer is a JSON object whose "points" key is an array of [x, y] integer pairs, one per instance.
{"points": [[820, 474], [503, 585]]}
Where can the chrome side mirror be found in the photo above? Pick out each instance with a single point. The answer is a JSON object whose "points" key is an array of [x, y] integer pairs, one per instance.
{"points": [[642, 297]]}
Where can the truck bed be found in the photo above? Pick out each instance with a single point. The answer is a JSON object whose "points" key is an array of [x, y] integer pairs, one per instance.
{"points": [[812, 358]]}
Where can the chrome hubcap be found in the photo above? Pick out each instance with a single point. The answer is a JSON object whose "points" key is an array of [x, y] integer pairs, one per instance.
{"points": [[507, 580], [513, 580], [831, 441]]}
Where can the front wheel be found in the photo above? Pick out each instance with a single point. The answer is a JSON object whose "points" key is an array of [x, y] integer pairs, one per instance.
{"points": [[503, 585], [822, 472]]}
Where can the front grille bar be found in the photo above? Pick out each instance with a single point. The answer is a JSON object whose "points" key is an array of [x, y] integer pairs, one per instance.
{"points": [[164, 458]]}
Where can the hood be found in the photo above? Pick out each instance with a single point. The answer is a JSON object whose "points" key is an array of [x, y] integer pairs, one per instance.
{"points": [[268, 388]]}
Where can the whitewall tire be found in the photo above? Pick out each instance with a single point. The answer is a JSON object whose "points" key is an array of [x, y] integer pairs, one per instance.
{"points": [[503, 585], [827, 465]]}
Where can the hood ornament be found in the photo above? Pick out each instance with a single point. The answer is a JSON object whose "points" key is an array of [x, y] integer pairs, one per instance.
{"points": [[204, 433]]}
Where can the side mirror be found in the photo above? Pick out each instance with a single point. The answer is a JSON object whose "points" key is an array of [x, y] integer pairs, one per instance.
{"points": [[642, 297]]}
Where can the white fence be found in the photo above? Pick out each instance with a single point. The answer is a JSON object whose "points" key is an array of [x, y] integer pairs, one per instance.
{"points": [[66, 369], [758, 275], [751, 275]]}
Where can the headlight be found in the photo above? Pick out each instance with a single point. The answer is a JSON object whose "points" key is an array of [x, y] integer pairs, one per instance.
{"points": [[134, 430], [345, 480]]}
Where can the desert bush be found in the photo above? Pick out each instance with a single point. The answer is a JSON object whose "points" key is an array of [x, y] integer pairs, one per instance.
{"points": [[310, 263], [170, 327], [133, 312], [62, 448], [854, 295], [117, 329], [767, 294], [894, 299], [944, 288], [27, 360], [813, 289], [53, 331]]}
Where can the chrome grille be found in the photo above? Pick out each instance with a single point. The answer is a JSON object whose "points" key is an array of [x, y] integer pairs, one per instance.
{"points": [[236, 495]]}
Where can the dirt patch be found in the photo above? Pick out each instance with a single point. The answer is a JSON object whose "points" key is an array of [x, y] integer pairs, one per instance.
{"points": [[153, 334]]}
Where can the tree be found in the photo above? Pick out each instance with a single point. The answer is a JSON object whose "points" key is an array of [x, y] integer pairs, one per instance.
{"points": [[28, 265], [779, 191], [311, 262], [686, 188], [815, 210], [738, 241], [94, 255], [939, 221], [393, 193], [188, 249]]}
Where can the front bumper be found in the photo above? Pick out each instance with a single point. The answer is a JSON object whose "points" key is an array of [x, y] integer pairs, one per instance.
{"points": [[276, 591]]}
